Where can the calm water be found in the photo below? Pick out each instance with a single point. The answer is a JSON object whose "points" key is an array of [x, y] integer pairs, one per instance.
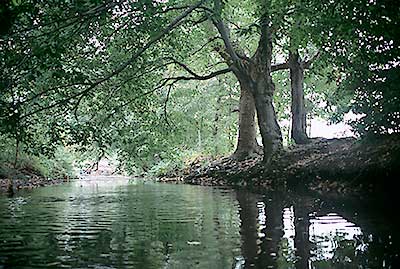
{"points": [[117, 223]]}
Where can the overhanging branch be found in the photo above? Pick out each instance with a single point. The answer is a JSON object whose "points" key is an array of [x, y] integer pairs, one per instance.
{"points": [[122, 67], [223, 31], [198, 77]]}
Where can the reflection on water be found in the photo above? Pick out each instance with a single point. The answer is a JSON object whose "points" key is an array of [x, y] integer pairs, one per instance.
{"points": [[299, 233], [118, 223], [327, 232]]}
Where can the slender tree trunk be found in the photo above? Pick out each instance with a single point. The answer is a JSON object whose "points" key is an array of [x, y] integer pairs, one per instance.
{"points": [[298, 132], [216, 121], [199, 138], [247, 145], [16, 152]]}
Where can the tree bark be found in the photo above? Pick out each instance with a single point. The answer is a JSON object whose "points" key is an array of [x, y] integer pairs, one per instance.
{"points": [[267, 122], [247, 145], [262, 92], [296, 68]]}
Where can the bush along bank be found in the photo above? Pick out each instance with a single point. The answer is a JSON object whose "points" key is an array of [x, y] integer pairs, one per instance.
{"points": [[30, 171]]}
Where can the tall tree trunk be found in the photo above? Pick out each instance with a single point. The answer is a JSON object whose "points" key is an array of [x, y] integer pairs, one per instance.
{"points": [[264, 90], [298, 132], [255, 75], [247, 145], [16, 152], [270, 131]]}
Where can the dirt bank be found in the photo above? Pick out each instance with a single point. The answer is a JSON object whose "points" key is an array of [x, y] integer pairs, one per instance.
{"points": [[327, 166]]}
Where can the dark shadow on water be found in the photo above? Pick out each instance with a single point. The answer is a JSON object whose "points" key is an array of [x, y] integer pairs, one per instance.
{"points": [[289, 231]]}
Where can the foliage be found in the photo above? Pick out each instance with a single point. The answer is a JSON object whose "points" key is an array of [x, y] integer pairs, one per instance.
{"points": [[121, 78], [361, 39], [59, 165], [195, 121]]}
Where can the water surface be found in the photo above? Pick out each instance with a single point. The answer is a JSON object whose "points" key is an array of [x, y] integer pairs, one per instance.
{"points": [[120, 223]]}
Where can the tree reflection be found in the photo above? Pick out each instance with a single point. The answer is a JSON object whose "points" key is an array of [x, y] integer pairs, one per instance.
{"points": [[309, 233], [248, 229], [302, 244], [261, 229]]}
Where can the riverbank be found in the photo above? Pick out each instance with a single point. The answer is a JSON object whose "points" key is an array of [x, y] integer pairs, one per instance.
{"points": [[11, 185], [326, 166], [28, 176]]}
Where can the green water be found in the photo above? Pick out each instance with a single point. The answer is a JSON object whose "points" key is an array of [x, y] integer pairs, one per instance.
{"points": [[116, 223]]}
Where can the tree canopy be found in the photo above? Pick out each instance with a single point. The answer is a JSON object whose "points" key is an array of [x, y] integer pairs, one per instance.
{"points": [[152, 80]]}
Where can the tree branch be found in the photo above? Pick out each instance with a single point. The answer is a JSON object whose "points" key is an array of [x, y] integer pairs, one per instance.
{"points": [[69, 20], [166, 103], [210, 40], [223, 31], [122, 67], [280, 66], [164, 32], [198, 77]]}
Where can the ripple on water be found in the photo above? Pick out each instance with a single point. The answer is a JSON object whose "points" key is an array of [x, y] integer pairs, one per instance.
{"points": [[122, 224], [114, 225]]}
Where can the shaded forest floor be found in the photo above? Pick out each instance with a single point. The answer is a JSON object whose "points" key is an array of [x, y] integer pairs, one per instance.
{"points": [[327, 166]]}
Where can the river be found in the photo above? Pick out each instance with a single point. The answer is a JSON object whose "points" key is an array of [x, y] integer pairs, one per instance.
{"points": [[119, 223]]}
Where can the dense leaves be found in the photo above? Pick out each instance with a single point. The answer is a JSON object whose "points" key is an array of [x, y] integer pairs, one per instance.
{"points": [[137, 78], [362, 38]]}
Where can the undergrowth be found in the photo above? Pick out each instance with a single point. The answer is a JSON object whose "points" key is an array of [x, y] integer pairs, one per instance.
{"points": [[27, 165]]}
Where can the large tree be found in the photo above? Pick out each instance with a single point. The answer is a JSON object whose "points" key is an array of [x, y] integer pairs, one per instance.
{"points": [[254, 75], [297, 67]]}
